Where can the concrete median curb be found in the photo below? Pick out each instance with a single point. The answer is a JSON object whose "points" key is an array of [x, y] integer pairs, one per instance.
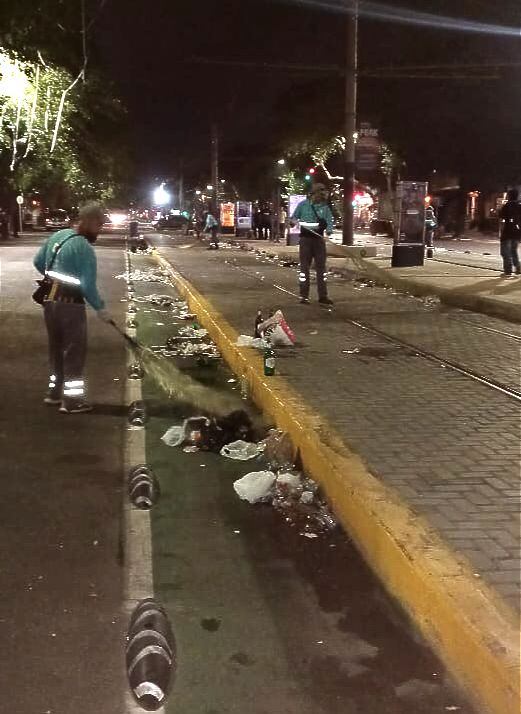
{"points": [[472, 629], [456, 297]]}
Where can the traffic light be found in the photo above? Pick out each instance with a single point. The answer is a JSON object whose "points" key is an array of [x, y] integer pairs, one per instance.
{"points": [[309, 174], [312, 171]]}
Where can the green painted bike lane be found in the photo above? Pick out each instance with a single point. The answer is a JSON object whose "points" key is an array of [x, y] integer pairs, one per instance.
{"points": [[267, 620]]}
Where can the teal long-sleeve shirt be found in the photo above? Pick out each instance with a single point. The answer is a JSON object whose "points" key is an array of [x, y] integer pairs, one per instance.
{"points": [[305, 213], [76, 259]]}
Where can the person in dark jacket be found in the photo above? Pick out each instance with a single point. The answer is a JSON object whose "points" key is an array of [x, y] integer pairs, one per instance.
{"points": [[510, 233]]}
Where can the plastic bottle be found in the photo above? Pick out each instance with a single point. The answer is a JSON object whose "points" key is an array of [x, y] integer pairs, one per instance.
{"points": [[258, 320], [269, 361]]}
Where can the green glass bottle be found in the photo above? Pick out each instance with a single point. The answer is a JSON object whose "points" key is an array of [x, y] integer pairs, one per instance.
{"points": [[269, 361]]}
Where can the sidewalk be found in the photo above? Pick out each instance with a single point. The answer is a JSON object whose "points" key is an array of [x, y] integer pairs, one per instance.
{"points": [[421, 463], [468, 281]]}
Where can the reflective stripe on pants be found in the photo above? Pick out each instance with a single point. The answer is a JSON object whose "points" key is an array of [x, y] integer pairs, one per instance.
{"points": [[312, 248], [67, 332]]}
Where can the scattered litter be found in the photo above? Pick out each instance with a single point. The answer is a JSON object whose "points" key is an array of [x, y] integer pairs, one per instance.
{"points": [[190, 449], [278, 449], [232, 381], [255, 486], [193, 332], [277, 331], [174, 436], [310, 535], [236, 532], [248, 341], [431, 301], [241, 450], [307, 497], [144, 276], [452, 708]]}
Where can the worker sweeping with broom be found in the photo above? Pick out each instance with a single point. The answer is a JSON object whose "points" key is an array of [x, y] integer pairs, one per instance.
{"points": [[68, 263]]}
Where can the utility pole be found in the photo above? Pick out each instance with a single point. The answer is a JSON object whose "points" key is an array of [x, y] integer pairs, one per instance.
{"points": [[181, 186], [215, 171], [350, 122]]}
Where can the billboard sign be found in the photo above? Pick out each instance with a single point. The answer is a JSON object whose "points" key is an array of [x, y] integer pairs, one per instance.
{"points": [[227, 216], [410, 210], [367, 148], [243, 214]]}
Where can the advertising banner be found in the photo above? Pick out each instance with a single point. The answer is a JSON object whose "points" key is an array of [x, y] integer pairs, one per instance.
{"points": [[227, 217], [410, 207], [243, 220], [367, 148]]}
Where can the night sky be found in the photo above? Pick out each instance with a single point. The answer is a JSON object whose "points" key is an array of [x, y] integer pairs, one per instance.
{"points": [[148, 48]]}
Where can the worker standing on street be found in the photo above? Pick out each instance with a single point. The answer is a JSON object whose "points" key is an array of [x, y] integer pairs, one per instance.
{"points": [[510, 233], [212, 227], [315, 217], [68, 259]]}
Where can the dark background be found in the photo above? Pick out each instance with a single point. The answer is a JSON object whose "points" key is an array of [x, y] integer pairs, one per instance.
{"points": [[470, 127]]}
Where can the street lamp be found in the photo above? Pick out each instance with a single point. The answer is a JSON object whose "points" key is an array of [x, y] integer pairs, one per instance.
{"points": [[209, 187], [161, 196], [198, 193], [281, 162]]}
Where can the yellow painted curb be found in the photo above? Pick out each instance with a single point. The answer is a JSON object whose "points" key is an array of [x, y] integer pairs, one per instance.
{"points": [[472, 629]]}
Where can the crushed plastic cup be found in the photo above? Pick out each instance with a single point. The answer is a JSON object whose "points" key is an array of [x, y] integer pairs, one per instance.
{"points": [[241, 450], [174, 436], [255, 486]]}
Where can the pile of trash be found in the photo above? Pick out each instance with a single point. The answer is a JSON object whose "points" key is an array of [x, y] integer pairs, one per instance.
{"points": [[273, 331], [192, 332], [178, 306], [210, 433], [277, 483], [190, 349], [291, 493], [144, 276]]}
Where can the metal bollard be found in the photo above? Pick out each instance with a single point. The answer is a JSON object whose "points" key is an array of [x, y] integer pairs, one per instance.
{"points": [[143, 487], [137, 413], [150, 655]]}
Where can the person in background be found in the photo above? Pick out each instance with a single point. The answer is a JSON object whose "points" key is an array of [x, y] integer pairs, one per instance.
{"points": [[315, 217], [212, 227], [510, 233], [72, 282], [283, 217], [430, 226], [4, 225]]}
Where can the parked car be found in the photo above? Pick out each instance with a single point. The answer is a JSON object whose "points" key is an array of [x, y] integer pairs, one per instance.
{"points": [[57, 219], [172, 223], [381, 226]]}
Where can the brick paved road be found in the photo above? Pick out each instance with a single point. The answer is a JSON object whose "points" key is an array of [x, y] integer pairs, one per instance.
{"points": [[449, 445]]}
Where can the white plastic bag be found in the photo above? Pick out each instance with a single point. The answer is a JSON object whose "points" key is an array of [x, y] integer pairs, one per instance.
{"points": [[247, 341], [255, 486], [241, 450]]}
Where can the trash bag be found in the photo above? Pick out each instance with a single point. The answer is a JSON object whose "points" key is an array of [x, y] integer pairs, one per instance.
{"points": [[223, 430], [278, 449], [248, 341], [241, 450], [255, 486], [289, 483], [277, 331]]}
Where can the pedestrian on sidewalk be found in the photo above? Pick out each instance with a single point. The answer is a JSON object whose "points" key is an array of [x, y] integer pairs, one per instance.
{"points": [[68, 259], [315, 217], [283, 217], [510, 233], [4, 225], [431, 224], [212, 227]]}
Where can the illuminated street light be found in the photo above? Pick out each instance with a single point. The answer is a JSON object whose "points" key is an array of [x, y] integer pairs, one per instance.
{"points": [[209, 187], [161, 197], [223, 180], [281, 162], [198, 193]]}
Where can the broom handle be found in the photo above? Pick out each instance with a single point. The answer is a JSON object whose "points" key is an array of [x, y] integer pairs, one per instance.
{"points": [[129, 339]]}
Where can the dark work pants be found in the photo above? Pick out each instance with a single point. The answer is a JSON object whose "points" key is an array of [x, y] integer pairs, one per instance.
{"points": [[312, 248], [67, 331], [509, 254], [215, 237]]}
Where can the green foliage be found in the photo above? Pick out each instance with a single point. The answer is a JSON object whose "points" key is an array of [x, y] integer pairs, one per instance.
{"points": [[86, 160]]}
